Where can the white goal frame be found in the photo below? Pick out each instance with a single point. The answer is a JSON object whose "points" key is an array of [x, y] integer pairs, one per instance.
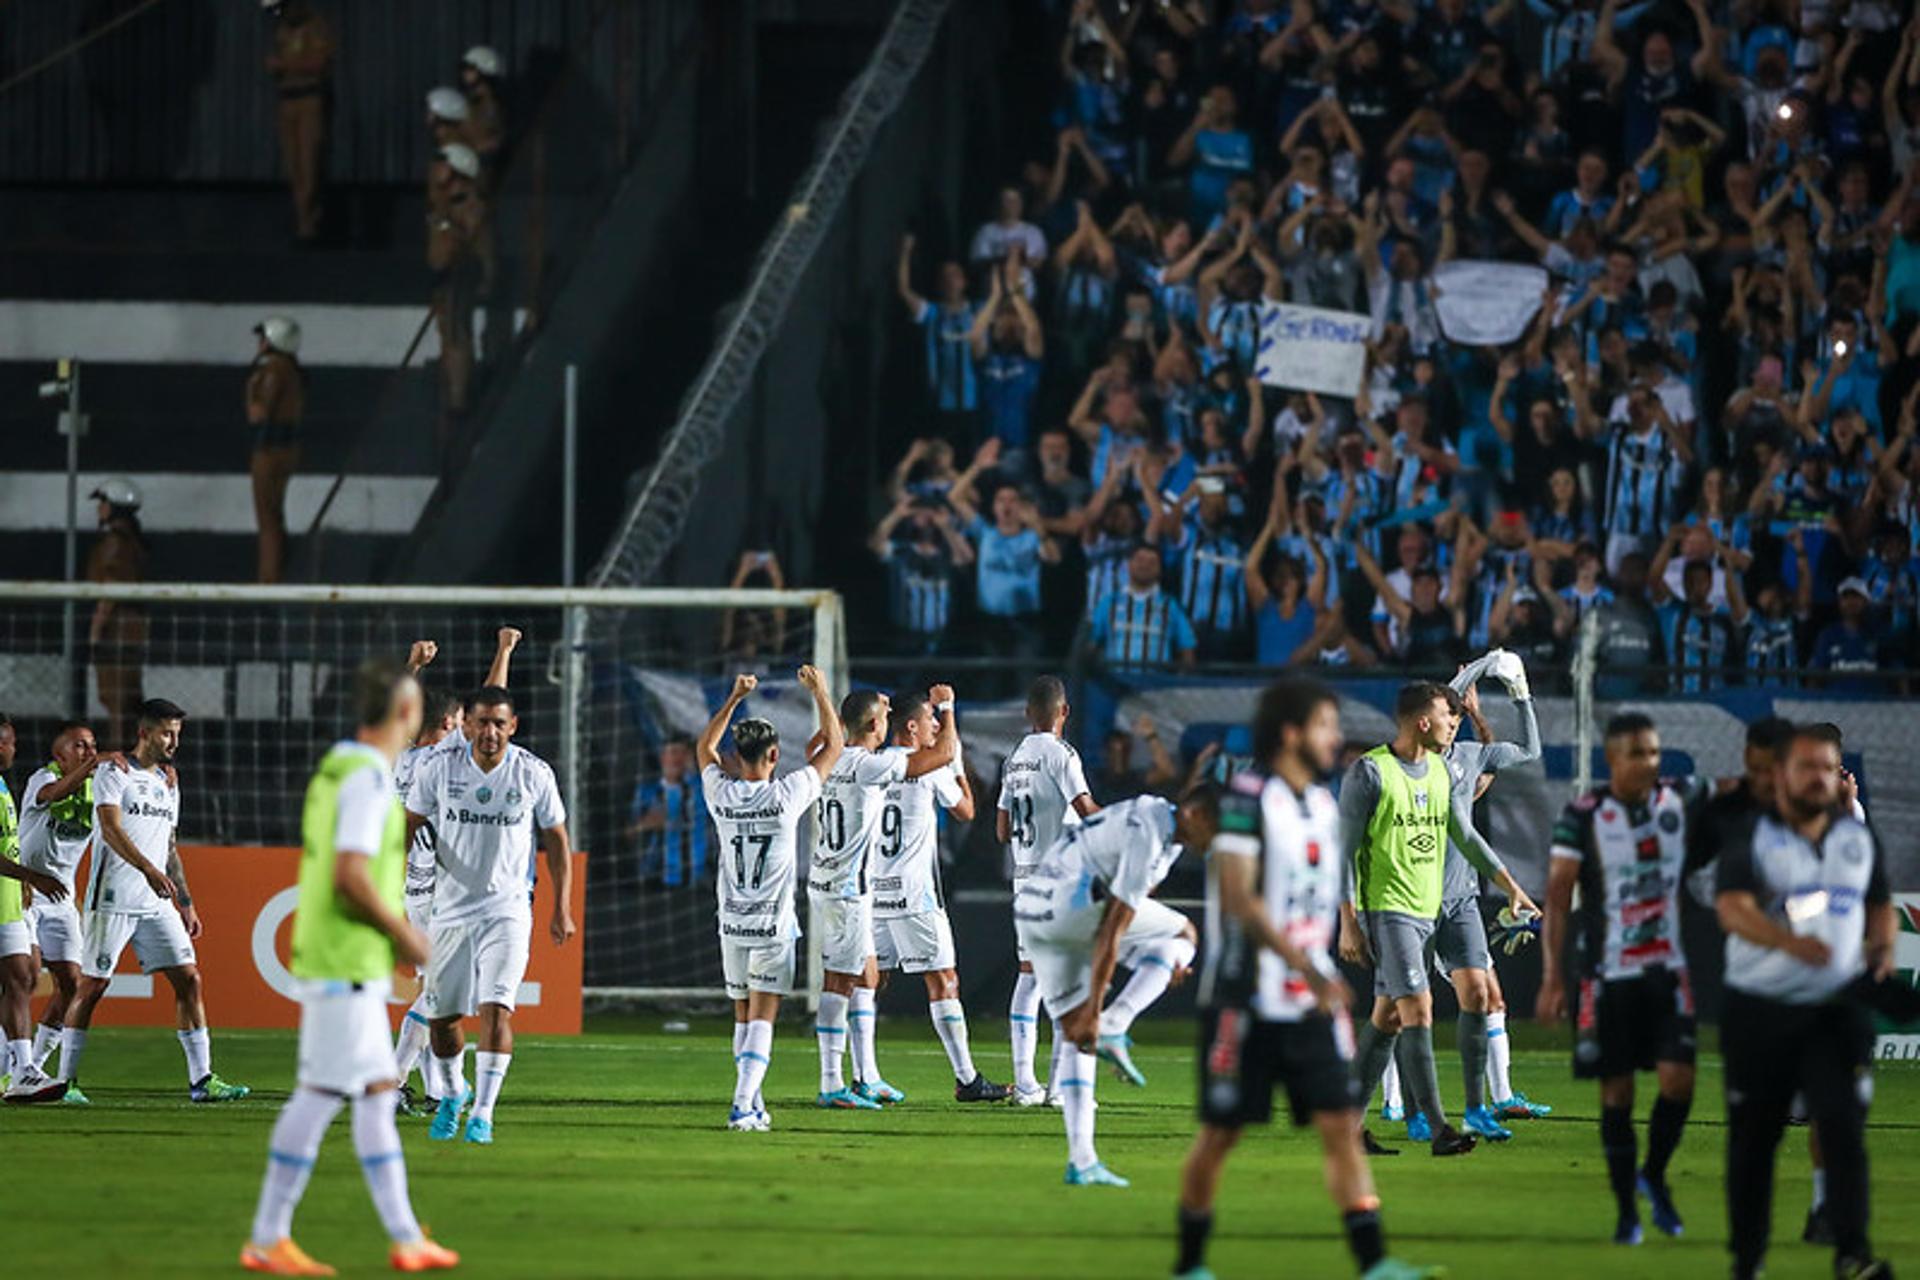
{"points": [[566, 666]]}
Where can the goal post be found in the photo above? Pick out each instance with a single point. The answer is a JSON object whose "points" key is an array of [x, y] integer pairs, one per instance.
{"points": [[609, 684]]}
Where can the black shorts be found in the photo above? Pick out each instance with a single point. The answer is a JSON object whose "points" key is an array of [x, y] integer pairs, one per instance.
{"points": [[1633, 1024], [1243, 1060]]}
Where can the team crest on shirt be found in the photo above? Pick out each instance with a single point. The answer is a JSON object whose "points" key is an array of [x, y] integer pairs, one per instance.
{"points": [[484, 795], [1669, 822], [513, 797]]}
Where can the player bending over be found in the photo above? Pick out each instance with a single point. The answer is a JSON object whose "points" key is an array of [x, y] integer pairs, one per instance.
{"points": [[486, 803], [846, 824], [136, 813], [348, 931], [756, 816], [1274, 1009], [911, 931], [1625, 845], [1043, 790], [1085, 909]]}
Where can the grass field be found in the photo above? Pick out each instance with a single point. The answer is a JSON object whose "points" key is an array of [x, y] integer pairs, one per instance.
{"points": [[612, 1160]]}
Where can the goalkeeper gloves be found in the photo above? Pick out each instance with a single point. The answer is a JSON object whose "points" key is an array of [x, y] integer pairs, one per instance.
{"points": [[1514, 930], [1511, 672]]}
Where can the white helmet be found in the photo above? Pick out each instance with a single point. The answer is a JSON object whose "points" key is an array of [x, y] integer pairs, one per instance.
{"points": [[447, 104], [483, 59], [281, 332], [462, 159], [117, 491]]}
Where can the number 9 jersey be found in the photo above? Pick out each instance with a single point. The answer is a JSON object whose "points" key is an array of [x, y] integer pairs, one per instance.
{"points": [[757, 822]]}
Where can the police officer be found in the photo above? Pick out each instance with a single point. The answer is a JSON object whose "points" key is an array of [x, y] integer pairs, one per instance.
{"points": [[276, 401], [480, 69], [1809, 923], [118, 630], [301, 65], [455, 216]]}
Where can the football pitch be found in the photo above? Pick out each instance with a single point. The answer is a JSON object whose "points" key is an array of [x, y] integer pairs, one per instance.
{"points": [[612, 1159]]}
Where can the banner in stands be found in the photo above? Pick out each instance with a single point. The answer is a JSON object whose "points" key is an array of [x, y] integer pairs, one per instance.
{"points": [[246, 896], [1486, 303], [1896, 1043], [1312, 349]]}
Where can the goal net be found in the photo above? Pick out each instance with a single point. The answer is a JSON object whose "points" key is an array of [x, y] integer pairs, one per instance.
{"points": [[611, 687]]}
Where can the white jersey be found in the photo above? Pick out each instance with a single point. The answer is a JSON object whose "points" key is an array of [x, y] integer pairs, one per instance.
{"points": [[906, 876], [149, 812], [1122, 852], [1294, 839], [1038, 785], [758, 822], [420, 853], [848, 818], [484, 824], [54, 842]]}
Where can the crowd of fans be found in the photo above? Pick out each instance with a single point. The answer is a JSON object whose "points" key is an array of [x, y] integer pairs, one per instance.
{"points": [[1705, 439]]}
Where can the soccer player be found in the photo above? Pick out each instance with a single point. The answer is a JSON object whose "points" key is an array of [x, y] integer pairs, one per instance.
{"points": [[910, 926], [56, 823], [1274, 1008], [487, 803], [442, 729], [1625, 846], [24, 1080], [1082, 911], [1043, 790], [1396, 815], [348, 929], [757, 817], [136, 813], [847, 821]]}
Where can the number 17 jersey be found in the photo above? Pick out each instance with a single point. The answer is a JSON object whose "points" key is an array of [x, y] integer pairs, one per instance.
{"points": [[757, 822]]}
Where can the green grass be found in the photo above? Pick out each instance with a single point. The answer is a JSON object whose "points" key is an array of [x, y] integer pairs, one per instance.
{"points": [[612, 1159]]}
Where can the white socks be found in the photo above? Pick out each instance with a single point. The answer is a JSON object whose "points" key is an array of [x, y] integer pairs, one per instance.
{"points": [[73, 1040], [45, 1040], [489, 1073], [1151, 975], [412, 1042], [866, 1065], [1390, 1086], [19, 1057], [750, 1063], [1499, 1058], [950, 1021], [377, 1142], [830, 1026], [1076, 1088], [1057, 1066], [1023, 1028], [1819, 1189], [448, 1075], [296, 1141], [199, 1051]]}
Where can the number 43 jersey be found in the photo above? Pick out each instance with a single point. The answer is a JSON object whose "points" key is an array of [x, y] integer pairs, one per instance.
{"points": [[1038, 785], [757, 822]]}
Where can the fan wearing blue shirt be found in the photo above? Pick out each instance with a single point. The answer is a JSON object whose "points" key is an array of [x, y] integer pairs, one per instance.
{"points": [[1007, 348], [669, 818], [953, 381], [1219, 151], [1209, 567], [1699, 638], [1141, 623], [1011, 548], [1855, 644]]}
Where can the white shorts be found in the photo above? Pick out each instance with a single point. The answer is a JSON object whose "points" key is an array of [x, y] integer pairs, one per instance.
{"points": [[159, 942], [345, 1044], [55, 927], [420, 912], [845, 929], [759, 965], [477, 962], [919, 943], [16, 939], [1063, 961]]}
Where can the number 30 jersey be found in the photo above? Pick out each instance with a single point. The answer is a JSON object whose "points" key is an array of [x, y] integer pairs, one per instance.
{"points": [[757, 822], [1038, 785], [848, 819]]}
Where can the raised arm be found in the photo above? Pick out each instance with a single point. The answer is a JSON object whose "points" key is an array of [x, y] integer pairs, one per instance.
{"points": [[903, 279], [707, 750], [835, 733], [505, 641]]}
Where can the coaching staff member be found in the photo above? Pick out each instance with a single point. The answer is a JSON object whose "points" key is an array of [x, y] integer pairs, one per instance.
{"points": [[1805, 905]]}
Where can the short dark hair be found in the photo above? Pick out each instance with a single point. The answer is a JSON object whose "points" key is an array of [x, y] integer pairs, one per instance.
{"points": [[438, 704], [1823, 732], [857, 708], [1203, 796], [61, 730], [678, 738], [158, 711], [490, 695], [1628, 723], [1285, 704], [1415, 698], [905, 707], [1456, 703], [1045, 696], [374, 683], [1769, 734], [753, 738]]}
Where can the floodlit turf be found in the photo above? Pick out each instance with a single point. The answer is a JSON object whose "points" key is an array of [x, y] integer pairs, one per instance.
{"points": [[611, 1159]]}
